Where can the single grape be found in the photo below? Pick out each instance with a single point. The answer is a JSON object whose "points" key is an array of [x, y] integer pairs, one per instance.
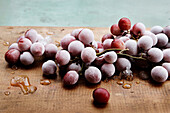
{"points": [[75, 48], [24, 44], [132, 46], [93, 74], [31, 34], [20, 38], [101, 95], [122, 64], [117, 43], [162, 40], [66, 40], [124, 24], [39, 38], [14, 46], [94, 44], [153, 36], [74, 66], [166, 65], [166, 30], [115, 30], [166, 55], [155, 55], [26, 58], [108, 70], [145, 42], [49, 67], [88, 55], [159, 74], [110, 57], [99, 61], [50, 50], [12, 56], [99, 45], [107, 43], [107, 36], [62, 57], [138, 29], [86, 36], [71, 78], [37, 49], [76, 32], [124, 38], [156, 29]]}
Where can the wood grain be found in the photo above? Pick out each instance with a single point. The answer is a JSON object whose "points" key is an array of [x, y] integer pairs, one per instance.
{"points": [[54, 98]]}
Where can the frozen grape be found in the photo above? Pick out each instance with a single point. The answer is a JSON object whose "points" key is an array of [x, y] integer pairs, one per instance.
{"points": [[155, 55], [108, 69], [132, 46], [167, 45], [71, 78], [66, 40], [39, 37], [20, 38], [124, 24], [156, 29], [99, 45], [101, 95], [110, 57], [124, 38], [107, 43], [24, 44], [37, 49], [93, 74], [14, 46], [62, 57], [26, 58], [166, 55], [122, 64], [99, 61], [117, 43], [88, 55], [159, 74], [74, 66], [31, 34], [49, 67], [167, 67], [12, 56], [145, 42], [50, 50], [138, 28], [162, 40], [153, 36], [166, 30], [94, 44], [86, 36], [107, 36], [76, 32], [115, 30], [100, 50], [75, 48]]}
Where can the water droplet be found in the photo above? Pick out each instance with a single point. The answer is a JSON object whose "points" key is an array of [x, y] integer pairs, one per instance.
{"points": [[120, 82], [137, 82], [126, 86], [49, 33], [14, 67], [7, 93], [57, 43], [6, 43], [13, 72], [45, 82]]}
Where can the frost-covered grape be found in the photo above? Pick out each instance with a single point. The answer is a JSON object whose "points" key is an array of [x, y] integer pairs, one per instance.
{"points": [[162, 40], [117, 43], [122, 64], [108, 69], [124, 38], [75, 48], [107, 43], [110, 57], [86, 36], [39, 37], [88, 55], [166, 30], [26, 58], [99, 61], [107, 36], [12, 56], [74, 66], [24, 44], [132, 46], [138, 28], [50, 50], [66, 40], [167, 67], [124, 24], [93, 75], [159, 74], [20, 38], [153, 36], [166, 55], [14, 46], [99, 45], [49, 67], [71, 78], [94, 44], [167, 45], [145, 42], [37, 49], [115, 30], [156, 29], [31, 34], [76, 32], [62, 57], [155, 55]]}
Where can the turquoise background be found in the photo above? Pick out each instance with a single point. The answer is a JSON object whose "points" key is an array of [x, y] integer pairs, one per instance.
{"points": [[88, 13]]}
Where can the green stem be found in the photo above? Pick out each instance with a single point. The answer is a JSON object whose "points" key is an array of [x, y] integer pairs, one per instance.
{"points": [[139, 58], [113, 49]]}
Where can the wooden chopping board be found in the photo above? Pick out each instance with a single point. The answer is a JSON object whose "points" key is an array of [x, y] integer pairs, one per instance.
{"points": [[54, 98]]}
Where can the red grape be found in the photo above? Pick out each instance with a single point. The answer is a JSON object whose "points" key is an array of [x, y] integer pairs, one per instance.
{"points": [[66, 40], [124, 24], [12, 56], [107, 36], [138, 29], [115, 30], [117, 43], [24, 44], [26, 58], [71, 78], [107, 43]]}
